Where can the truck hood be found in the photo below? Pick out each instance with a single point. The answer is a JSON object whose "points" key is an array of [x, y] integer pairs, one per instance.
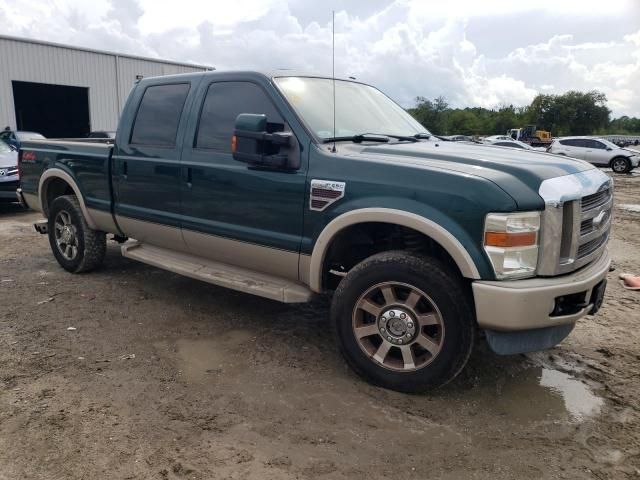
{"points": [[9, 159], [517, 172]]}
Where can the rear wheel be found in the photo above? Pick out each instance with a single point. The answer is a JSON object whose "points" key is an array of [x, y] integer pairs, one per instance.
{"points": [[621, 165], [403, 321], [77, 247]]}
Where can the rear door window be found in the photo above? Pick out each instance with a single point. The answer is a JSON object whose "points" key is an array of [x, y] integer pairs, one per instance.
{"points": [[222, 105], [574, 142], [158, 115]]}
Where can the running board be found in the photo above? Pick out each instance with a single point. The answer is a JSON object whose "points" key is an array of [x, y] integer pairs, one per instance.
{"points": [[236, 278]]}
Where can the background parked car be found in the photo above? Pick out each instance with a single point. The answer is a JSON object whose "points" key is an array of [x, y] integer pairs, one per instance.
{"points": [[8, 173], [102, 134], [597, 151], [455, 138], [16, 138], [496, 138], [504, 141]]}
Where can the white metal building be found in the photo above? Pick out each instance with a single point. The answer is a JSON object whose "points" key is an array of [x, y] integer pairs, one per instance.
{"points": [[65, 91]]}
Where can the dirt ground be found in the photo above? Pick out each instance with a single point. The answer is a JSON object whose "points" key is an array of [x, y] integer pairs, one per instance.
{"points": [[164, 377]]}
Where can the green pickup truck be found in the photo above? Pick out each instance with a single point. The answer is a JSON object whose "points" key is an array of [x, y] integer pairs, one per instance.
{"points": [[254, 182]]}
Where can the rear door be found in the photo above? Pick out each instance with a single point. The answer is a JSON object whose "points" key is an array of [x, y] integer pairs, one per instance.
{"points": [[573, 147], [234, 213], [146, 162]]}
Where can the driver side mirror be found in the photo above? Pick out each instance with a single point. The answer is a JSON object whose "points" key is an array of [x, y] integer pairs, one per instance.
{"points": [[609, 149], [256, 143]]}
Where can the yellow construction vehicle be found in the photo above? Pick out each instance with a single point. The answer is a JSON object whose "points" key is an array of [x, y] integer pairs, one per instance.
{"points": [[532, 136]]}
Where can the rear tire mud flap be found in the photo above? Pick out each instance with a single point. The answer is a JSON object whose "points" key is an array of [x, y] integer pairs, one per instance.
{"points": [[511, 343]]}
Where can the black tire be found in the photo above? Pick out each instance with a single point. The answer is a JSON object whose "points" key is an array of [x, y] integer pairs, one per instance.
{"points": [[90, 245], [620, 165], [445, 289]]}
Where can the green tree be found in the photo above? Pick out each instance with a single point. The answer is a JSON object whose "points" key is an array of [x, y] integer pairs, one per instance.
{"points": [[571, 113], [464, 122], [431, 114]]}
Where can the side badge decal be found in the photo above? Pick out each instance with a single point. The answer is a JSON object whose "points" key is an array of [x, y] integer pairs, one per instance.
{"points": [[324, 193]]}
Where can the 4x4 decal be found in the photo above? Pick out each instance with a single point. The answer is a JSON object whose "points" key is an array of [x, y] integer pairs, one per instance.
{"points": [[324, 193]]}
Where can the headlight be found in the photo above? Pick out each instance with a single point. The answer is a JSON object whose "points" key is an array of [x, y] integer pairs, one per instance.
{"points": [[511, 241]]}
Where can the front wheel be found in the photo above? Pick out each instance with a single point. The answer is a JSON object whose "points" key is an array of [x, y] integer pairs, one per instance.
{"points": [[404, 321], [77, 247], [621, 165]]}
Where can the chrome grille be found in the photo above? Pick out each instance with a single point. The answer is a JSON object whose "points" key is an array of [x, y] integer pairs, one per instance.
{"points": [[586, 226], [595, 200], [595, 222], [592, 245], [576, 221]]}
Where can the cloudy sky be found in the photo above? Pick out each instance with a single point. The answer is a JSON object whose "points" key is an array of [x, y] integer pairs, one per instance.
{"points": [[473, 52]]}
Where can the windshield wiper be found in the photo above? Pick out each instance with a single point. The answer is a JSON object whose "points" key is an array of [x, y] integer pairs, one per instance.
{"points": [[423, 136], [377, 137], [362, 137], [406, 138]]}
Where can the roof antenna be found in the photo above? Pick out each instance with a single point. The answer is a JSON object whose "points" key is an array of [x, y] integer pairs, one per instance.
{"points": [[333, 74]]}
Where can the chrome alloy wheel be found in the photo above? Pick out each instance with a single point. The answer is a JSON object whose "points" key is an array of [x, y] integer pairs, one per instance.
{"points": [[66, 235], [619, 165], [398, 326]]}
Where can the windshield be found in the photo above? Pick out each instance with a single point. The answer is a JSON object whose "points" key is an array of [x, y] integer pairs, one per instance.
{"points": [[28, 136], [359, 108], [522, 144]]}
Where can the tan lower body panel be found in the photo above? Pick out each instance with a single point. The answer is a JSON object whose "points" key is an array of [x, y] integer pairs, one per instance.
{"points": [[217, 273], [304, 270], [247, 255], [103, 220], [32, 201], [152, 233], [271, 261]]}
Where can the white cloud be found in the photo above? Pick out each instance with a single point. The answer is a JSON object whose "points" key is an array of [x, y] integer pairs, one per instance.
{"points": [[406, 47]]}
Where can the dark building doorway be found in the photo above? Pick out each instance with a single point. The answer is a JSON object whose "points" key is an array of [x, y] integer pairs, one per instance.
{"points": [[55, 111]]}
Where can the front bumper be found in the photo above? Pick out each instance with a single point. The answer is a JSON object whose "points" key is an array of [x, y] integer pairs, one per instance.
{"points": [[529, 304], [8, 190]]}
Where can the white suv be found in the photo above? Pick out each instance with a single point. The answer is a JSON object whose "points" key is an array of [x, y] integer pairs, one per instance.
{"points": [[597, 151]]}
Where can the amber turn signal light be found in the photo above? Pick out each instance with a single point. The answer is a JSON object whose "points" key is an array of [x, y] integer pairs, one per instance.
{"points": [[507, 239], [234, 143]]}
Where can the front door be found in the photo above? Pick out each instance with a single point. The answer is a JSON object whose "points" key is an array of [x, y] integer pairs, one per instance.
{"points": [[234, 213], [597, 153], [146, 166]]}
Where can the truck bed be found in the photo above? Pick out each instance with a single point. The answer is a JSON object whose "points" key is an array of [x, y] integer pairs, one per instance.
{"points": [[87, 162]]}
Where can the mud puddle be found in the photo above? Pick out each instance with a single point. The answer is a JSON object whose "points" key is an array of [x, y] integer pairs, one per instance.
{"points": [[540, 394], [630, 207], [200, 359]]}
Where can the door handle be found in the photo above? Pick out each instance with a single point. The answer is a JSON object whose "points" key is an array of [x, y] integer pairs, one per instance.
{"points": [[124, 169], [189, 177]]}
